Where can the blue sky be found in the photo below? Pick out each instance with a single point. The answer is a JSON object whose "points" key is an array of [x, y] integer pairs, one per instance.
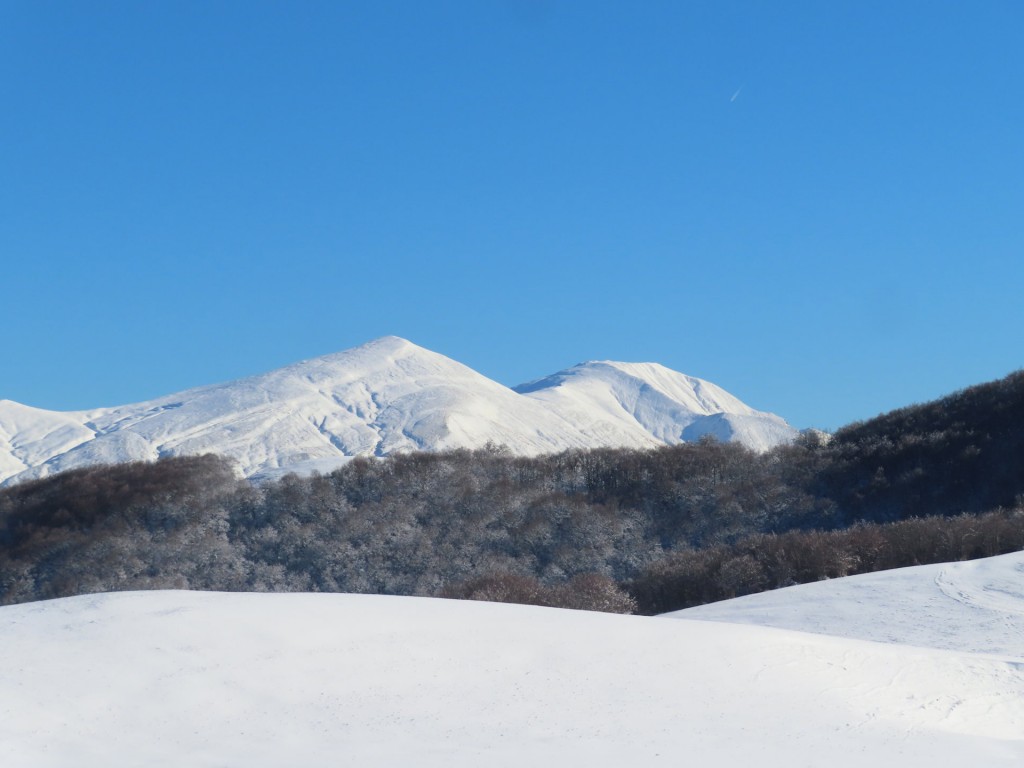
{"points": [[818, 206]]}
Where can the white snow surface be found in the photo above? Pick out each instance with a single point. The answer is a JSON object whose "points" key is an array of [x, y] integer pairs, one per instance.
{"points": [[212, 679], [975, 606], [650, 400], [386, 396]]}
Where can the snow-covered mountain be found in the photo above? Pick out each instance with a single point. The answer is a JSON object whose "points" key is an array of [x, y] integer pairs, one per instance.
{"points": [[649, 400], [205, 679], [385, 396]]}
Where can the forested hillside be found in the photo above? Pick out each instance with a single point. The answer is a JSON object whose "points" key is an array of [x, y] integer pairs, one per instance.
{"points": [[609, 529], [963, 453]]}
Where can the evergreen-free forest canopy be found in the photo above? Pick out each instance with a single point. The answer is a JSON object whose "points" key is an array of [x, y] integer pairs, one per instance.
{"points": [[609, 529]]}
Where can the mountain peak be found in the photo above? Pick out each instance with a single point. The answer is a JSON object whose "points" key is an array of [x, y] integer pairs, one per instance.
{"points": [[388, 343], [665, 404], [384, 346], [385, 396], [698, 395]]}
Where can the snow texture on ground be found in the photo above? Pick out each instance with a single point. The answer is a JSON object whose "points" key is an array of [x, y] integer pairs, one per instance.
{"points": [[975, 606], [210, 679]]}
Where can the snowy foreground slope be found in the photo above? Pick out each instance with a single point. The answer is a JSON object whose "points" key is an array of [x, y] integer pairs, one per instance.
{"points": [[377, 399], [177, 678], [975, 606]]}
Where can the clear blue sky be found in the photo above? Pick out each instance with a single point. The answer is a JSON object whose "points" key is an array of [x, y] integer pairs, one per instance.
{"points": [[817, 205]]}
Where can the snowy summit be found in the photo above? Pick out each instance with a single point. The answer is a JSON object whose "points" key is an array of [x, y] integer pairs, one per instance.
{"points": [[383, 397]]}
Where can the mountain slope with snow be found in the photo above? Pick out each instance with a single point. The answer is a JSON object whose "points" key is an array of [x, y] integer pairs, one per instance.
{"points": [[386, 396], [177, 678], [650, 399]]}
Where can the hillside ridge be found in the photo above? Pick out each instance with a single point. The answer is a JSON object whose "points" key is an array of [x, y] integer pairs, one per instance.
{"points": [[386, 396]]}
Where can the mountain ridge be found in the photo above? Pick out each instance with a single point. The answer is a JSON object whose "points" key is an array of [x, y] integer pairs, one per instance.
{"points": [[385, 396]]}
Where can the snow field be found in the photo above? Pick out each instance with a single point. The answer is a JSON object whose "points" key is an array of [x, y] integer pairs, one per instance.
{"points": [[211, 679]]}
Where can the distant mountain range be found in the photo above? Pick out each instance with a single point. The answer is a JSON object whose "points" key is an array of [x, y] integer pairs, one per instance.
{"points": [[383, 397]]}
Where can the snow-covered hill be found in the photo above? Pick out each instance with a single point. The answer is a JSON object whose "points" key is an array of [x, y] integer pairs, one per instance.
{"points": [[207, 679], [385, 396], [975, 606]]}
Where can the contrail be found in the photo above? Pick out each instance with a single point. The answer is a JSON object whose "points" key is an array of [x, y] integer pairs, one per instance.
{"points": [[736, 94]]}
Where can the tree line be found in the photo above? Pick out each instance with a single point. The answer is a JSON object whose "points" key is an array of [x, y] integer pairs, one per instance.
{"points": [[606, 529]]}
